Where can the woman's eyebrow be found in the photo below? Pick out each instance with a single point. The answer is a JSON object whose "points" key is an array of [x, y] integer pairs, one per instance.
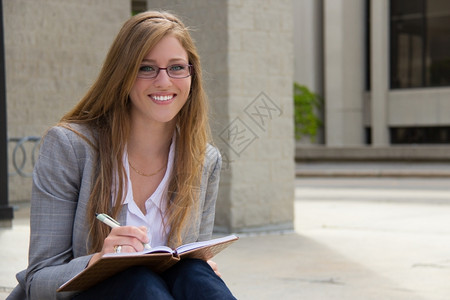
{"points": [[152, 61], [148, 60]]}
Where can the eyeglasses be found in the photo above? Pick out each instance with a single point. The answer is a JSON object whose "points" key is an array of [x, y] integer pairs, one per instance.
{"points": [[173, 71]]}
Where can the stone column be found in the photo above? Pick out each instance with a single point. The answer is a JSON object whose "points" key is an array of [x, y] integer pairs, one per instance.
{"points": [[54, 50], [247, 54], [380, 71], [308, 53], [308, 44], [344, 25]]}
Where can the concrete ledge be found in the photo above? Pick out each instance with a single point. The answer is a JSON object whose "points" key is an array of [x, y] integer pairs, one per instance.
{"points": [[375, 173], [287, 227], [391, 153], [372, 169]]}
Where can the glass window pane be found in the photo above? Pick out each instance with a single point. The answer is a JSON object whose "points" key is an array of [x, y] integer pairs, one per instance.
{"points": [[420, 39]]}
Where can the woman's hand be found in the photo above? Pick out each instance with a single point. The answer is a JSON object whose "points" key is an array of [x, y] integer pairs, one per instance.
{"points": [[129, 238], [213, 265]]}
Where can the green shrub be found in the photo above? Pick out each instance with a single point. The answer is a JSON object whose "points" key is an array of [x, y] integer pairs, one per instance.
{"points": [[306, 108]]}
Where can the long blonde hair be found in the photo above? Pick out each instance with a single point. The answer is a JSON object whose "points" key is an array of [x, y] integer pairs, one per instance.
{"points": [[105, 109]]}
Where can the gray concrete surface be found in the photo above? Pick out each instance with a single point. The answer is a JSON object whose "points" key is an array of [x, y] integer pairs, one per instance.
{"points": [[405, 169], [354, 238]]}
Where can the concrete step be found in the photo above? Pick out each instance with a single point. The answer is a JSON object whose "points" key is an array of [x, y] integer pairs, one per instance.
{"points": [[372, 169]]}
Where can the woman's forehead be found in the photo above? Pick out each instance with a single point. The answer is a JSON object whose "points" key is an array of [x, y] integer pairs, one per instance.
{"points": [[167, 49]]}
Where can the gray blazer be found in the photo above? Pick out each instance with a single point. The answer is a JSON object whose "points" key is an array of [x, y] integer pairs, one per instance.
{"points": [[62, 183]]}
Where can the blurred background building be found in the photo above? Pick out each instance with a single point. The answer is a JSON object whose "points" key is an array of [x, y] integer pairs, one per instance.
{"points": [[382, 68]]}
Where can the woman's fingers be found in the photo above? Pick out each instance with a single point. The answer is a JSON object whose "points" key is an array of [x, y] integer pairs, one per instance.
{"points": [[124, 249], [137, 232], [213, 266], [131, 239]]}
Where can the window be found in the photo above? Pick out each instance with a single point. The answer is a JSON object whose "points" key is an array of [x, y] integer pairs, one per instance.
{"points": [[419, 43], [420, 135]]}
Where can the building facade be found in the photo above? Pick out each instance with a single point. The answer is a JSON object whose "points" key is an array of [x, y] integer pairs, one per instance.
{"points": [[382, 67]]}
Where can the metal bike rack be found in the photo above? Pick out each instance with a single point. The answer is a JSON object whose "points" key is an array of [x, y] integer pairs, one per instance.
{"points": [[19, 161]]}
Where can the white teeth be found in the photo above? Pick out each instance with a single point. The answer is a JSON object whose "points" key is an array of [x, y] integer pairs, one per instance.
{"points": [[162, 98]]}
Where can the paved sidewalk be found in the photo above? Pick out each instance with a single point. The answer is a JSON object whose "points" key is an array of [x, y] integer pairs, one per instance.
{"points": [[367, 238], [355, 239], [373, 169]]}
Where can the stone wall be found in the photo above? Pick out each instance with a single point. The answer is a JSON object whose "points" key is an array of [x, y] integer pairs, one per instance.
{"points": [[53, 51], [247, 54]]}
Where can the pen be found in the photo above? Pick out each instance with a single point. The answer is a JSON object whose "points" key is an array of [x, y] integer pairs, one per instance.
{"points": [[113, 224]]}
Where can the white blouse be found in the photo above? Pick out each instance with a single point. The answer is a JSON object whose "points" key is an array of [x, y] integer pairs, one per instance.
{"points": [[155, 205]]}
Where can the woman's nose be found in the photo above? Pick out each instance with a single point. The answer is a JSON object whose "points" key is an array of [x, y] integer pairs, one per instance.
{"points": [[162, 79]]}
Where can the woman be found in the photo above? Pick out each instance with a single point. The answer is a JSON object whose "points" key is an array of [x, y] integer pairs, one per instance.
{"points": [[135, 147]]}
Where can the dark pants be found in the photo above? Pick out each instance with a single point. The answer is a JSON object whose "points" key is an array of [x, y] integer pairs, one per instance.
{"points": [[188, 279]]}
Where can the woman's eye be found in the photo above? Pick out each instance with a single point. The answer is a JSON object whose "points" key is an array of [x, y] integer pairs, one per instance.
{"points": [[147, 69], [177, 68]]}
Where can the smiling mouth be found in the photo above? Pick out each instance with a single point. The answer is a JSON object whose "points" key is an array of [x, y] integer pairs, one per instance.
{"points": [[162, 98]]}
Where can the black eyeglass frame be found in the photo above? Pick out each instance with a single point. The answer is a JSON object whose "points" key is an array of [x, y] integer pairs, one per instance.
{"points": [[158, 69]]}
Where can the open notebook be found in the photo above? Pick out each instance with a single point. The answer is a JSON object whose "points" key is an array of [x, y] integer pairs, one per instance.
{"points": [[158, 259]]}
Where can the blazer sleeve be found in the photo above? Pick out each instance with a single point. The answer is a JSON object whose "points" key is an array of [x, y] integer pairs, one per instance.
{"points": [[210, 187], [57, 178]]}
